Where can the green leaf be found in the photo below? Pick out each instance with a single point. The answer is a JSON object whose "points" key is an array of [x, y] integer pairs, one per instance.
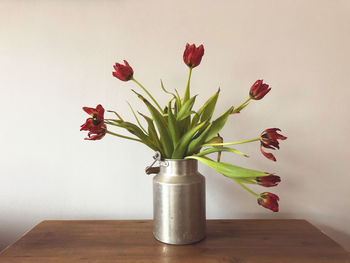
{"points": [[173, 127], [133, 112], [187, 115], [196, 143], [134, 129], [209, 107], [207, 110], [181, 147], [158, 118], [152, 132], [186, 108], [221, 149], [228, 169], [177, 103], [246, 180], [218, 124]]}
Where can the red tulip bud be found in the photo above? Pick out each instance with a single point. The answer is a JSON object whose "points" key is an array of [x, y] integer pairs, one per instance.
{"points": [[259, 90], [123, 72], [193, 55]]}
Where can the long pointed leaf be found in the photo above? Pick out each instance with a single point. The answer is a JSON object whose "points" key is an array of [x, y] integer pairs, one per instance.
{"points": [[221, 149], [206, 111], [195, 144], [187, 115], [165, 137], [152, 131], [178, 102], [135, 130], [137, 119], [181, 147], [186, 108], [228, 169], [173, 127], [218, 124], [210, 107]]}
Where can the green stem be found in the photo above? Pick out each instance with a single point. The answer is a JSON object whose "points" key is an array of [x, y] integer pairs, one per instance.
{"points": [[187, 91], [236, 109], [149, 94], [246, 188], [125, 137], [112, 120], [230, 143]]}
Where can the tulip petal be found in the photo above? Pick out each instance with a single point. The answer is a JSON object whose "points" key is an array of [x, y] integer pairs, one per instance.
{"points": [[267, 155]]}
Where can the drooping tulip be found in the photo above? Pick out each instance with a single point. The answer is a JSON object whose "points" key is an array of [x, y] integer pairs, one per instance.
{"points": [[269, 139], [269, 201], [268, 181], [97, 134], [95, 124]]}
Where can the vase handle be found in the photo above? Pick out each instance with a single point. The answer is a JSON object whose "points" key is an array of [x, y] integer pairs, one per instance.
{"points": [[151, 169]]}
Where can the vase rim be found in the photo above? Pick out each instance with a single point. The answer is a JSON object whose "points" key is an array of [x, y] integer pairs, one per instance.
{"points": [[178, 160]]}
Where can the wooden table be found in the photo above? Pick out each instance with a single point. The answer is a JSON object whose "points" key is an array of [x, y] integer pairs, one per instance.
{"points": [[239, 241]]}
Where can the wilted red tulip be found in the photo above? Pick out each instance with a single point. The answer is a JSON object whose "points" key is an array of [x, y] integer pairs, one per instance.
{"points": [[193, 55], [259, 90], [269, 139], [123, 72], [97, 134], [269, 201], [268, 181], [95, 123]]}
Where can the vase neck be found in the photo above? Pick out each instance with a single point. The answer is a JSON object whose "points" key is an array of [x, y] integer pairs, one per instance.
{"points": [[179, 167]]}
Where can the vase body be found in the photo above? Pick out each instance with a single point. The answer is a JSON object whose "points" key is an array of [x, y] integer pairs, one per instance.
{"points": [[179, 202]]}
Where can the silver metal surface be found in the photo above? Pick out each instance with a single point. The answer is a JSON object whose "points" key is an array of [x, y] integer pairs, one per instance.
{"points": [[179, 202]]}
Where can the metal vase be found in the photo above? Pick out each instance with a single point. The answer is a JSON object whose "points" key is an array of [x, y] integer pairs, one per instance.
{"points": [[179, 202]]}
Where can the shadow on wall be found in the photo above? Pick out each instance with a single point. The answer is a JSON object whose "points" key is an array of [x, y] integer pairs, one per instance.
{"points": [[340, 237], [10, 231]]}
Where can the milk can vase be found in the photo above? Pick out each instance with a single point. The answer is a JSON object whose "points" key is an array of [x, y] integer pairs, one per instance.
{"points": [[179, 202]]}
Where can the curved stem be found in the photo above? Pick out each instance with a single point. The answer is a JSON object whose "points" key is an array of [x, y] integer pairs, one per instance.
{"points": [[187, 91], [116, 113], [124, 137], [230, 143], [149, 94], [246, 188]]}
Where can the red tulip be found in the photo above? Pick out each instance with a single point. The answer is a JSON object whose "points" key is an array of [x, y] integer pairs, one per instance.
{"points": [[268, 181], [193, 55], [97, 134], [259, 90], [269, 201], [269, 139], [95, 124], [123, 72]]}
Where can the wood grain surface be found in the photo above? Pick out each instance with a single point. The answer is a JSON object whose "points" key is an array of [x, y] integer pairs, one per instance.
{"points": [[238, 241]]}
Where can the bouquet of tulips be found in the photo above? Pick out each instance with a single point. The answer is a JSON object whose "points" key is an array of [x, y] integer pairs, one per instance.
{"points": [[177, 131]]}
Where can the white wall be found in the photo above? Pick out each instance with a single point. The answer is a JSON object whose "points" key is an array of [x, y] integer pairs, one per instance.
{"points": [[57, 56]]}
